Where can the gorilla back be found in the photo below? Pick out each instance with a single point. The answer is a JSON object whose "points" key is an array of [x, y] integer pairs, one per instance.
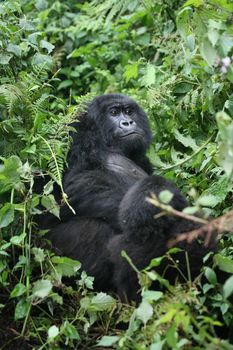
{"points": [[107, 182]]}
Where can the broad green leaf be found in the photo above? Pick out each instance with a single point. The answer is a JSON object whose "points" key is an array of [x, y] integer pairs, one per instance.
{"points": [[210, 275], [51, 205], [144, 311], [158, 345], [208, 200], [53, 332], [165, 196], [228, 287], [6, 215], [108, 340], [152, 295], [21, 309], [15, 49], [18, 240], [46, 45], [190, 210], [69, 331], [66, 266], [42, 288], [102, 302], [18, 290], [208, 52], [224, 263], [187, 141]]}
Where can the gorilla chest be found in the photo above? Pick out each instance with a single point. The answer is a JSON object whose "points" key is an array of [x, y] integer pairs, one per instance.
{"points": [[124, 169]]}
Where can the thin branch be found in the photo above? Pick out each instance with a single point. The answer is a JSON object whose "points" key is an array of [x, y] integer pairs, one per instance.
{"points": [[168, 209]]}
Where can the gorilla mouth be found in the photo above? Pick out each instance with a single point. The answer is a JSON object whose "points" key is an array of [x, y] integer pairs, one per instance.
{"points": [[130, 134]]}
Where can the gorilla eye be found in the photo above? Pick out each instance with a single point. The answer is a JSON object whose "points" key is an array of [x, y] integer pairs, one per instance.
{"points": [[114, 112], [128, 111]]}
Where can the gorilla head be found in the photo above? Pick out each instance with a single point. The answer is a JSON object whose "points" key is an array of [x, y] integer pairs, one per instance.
{"points": [[122, 124]]}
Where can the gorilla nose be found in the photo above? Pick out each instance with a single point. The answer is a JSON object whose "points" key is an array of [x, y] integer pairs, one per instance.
{"points": [[127, 124]]}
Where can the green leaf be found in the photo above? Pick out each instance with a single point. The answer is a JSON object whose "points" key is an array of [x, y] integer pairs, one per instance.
{"points": [[64, 84], [190, 210], [6, 215], [66, 266], [195, 3], [224, 263], [38, 254], [131, 71], [108, 340], [53, 332], [144, 311], [158, 345], [4, 58], [165, 196], [148, 78], [15, 49], [102, 302], [51, 205], [152, 295], [208, 52], [40, 59], [210, 275], [42, 288], [18, 240], [18, 290], [208, 200], [46, 45], [21, 309], [69, 331], [228, 287], [187, 141]]}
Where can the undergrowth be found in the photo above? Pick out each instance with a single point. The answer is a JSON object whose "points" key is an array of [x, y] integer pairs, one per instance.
{"points": [[175, 59]]}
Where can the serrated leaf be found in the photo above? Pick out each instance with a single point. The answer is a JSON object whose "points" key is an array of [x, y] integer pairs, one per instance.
{"points": [[148, 78], [39, 254], [131, 71]]}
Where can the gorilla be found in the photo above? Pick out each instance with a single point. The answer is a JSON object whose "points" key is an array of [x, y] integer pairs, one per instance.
{"points": [[108, 180]]}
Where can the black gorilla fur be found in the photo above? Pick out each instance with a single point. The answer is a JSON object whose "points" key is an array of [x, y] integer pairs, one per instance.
{"points": [[107, 181]]}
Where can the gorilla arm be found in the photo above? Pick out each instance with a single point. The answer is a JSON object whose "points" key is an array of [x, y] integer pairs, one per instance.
{"points": [[93, 194]]}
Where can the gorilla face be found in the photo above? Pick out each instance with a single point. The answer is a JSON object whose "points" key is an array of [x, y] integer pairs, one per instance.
{"points": [[122, 123]]}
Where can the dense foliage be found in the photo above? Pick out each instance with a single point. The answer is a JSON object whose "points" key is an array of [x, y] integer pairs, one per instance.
{"points": [[175, 59]]}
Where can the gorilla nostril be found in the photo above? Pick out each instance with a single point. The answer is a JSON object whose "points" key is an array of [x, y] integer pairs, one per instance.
{"points": [[126, 123]]}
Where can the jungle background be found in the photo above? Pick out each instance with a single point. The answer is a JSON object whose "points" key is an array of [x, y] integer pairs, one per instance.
{"points": [[175, 59]]}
